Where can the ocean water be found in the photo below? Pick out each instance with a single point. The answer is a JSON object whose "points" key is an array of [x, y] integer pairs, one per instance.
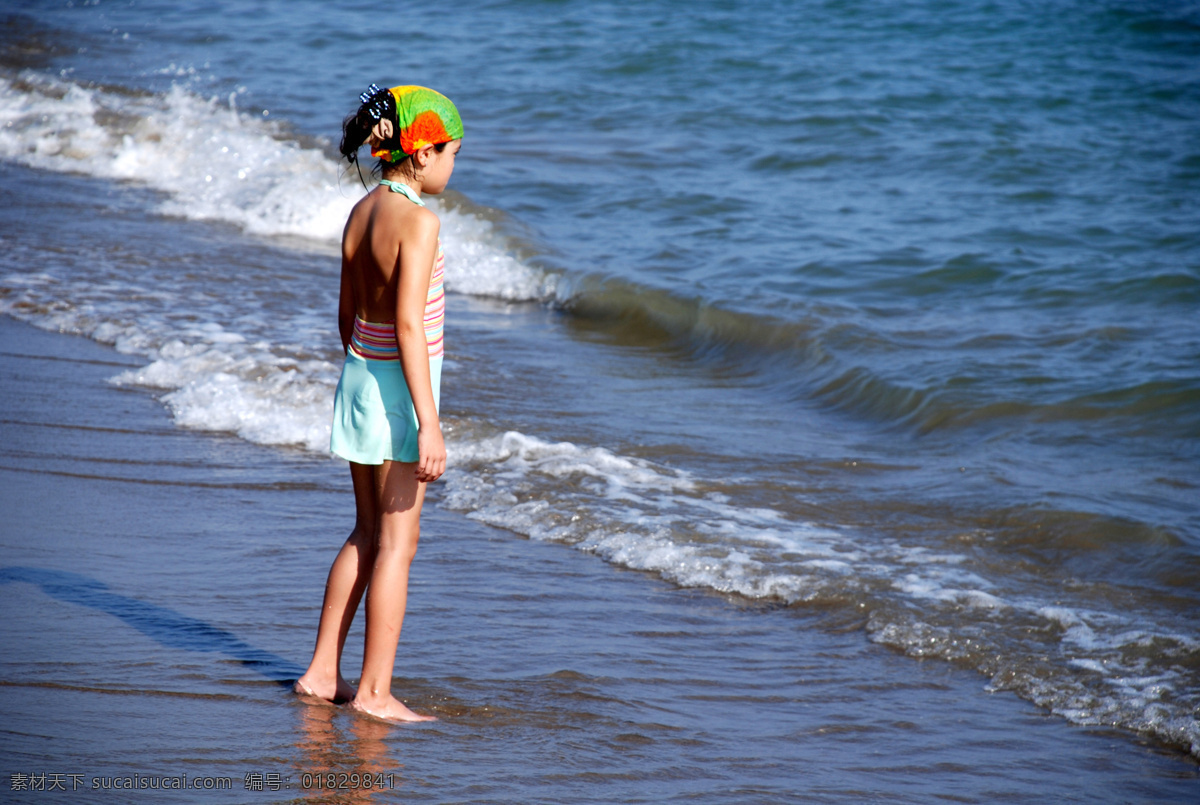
{"points": [[886, 313]]}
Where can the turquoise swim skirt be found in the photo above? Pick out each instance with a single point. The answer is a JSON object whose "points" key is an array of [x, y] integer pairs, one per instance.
{"points": [[373, 417]]}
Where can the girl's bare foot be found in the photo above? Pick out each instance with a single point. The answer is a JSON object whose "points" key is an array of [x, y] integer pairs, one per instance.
{"points": [[388, 708], [330, 690]]}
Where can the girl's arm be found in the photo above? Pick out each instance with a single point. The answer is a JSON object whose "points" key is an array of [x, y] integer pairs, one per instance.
{"points": [[418, 248]]}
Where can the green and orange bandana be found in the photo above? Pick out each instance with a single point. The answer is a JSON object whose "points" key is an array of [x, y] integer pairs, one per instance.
{"points": [[426, 117]]}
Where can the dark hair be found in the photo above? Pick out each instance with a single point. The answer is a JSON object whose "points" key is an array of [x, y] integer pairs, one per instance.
{"points": [[376, 105]]}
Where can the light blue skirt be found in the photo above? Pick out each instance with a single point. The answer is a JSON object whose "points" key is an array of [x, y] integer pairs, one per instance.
{"points": [[373, 416]]}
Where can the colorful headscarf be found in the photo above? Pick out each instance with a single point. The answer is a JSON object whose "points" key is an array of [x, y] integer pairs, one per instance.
{"points": [[425, 117]]}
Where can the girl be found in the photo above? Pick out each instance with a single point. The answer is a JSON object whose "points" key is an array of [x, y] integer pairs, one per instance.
{"points": [[385, 418]]}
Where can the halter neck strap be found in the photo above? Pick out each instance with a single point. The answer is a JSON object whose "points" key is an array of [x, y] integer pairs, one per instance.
{"points": [[405, 190]]}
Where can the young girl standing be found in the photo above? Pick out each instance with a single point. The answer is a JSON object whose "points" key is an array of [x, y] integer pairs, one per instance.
{"points": [[385, 419]]}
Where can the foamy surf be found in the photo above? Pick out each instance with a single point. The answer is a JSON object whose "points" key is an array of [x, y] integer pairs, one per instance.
{"points": [[924, 601], [213, 162]]}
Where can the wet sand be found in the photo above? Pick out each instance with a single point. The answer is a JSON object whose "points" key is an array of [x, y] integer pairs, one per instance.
{"points": [[160, 593]]}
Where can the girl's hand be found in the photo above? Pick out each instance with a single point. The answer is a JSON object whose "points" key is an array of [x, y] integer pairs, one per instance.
{"points": [[432, 451]]}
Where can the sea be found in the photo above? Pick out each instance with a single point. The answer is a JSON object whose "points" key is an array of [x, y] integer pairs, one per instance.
{"points": [[884, 316]]}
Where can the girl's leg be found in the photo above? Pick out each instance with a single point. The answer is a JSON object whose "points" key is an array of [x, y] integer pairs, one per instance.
{"points": [[400, 499], [343, 590]]}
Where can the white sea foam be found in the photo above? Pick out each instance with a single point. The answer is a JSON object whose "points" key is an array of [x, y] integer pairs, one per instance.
{"points": [[213, 162], [262, 398], [1088, 665], [1106, 676], [645, 516], [482, 267], [958, 587]]}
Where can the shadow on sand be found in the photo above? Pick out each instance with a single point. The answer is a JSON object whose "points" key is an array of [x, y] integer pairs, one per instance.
{"points": [[158, 623]]}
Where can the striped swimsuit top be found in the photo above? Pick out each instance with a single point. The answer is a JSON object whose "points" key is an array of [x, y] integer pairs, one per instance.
{"points": [[377, 341]]}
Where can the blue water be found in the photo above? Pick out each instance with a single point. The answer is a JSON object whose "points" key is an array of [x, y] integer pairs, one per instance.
{"points": [[883, 306]]}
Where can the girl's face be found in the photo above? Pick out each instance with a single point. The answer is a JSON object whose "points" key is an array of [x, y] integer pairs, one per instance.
{"points": [[441, 165]]}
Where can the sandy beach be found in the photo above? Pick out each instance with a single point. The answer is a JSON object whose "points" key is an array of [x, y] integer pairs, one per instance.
{"points": [[821, 387], [160, 591]]}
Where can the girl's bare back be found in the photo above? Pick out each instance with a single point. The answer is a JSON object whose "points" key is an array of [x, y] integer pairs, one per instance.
{"points": [[383, 229]]}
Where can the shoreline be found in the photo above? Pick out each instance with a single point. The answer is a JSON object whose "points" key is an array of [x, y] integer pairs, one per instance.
{"points": [[172, 584]]}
